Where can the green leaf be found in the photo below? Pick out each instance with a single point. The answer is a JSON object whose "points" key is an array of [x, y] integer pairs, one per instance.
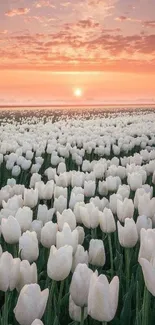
{"points": [[126, 313], [56, 321]]}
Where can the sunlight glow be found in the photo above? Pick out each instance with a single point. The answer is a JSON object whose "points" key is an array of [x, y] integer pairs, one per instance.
{"points": [[78, 92]]}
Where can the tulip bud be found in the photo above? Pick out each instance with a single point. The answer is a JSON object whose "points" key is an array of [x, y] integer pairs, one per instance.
{"points": [[59, 262], [143, 222], [44, 214], [107, 221], [77, 211], [113, 183], [60, 191], [74, 198], [31, 304], [28, 246], [77, 179], [89, 215], [113, 202], [30, 197], [24, 217], [80, 256], [9, 271], [125, 209], [11, 230], [79, 287], [67, 237], [81, 235], [75, 311], [5, 267], [135, 181], [144, 205], [61, 168], [11, 182], [127, 235], [27, 274], [14, 203], [14, 273], [34, 179], [16, 171], [48, 234], [48, 190], [147, 244], [37, 322], [68, 217], [100, 292], [100, 203], [103, 188], [148, 269], [36, 225], [60, 203], [124, 191], [89, 188], [96, 252]]}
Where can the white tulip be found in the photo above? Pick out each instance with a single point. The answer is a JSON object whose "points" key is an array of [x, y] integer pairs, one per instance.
{"points": [[27, 274], [79, 287], [75, 311], [31, 304], [143, 222], [127, 235], [11, 230], [59, 262], [80, 256], [28, 246], [67, 237], [96, 252], [48, 234], [107, 221], [68, 217], [125, 209], [24, 217], [103, 298]]}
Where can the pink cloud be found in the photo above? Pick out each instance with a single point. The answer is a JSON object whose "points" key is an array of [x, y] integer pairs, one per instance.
{"points": [[44, 3], [4, 32], [87, 23], [125, 18], [65, 4], [16, 12], [149, 23]]}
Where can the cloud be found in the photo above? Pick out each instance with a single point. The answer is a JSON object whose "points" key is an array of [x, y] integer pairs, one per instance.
{"points": [[16, 12], [65, 4], [44, 3], [4, 32], [149, 23], [87, 23], [125, 18]]}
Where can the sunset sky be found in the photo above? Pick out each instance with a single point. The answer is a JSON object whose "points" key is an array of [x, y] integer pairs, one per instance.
{"points": [[49, 48]]}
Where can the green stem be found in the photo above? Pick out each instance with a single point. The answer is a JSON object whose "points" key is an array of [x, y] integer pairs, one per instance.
{"points": [[93, 233], [82, 316], [111, 255], [145, 308], [5, 310], [15, 251], [49, 304], [127, 266], [60, 294], [104, 323]]}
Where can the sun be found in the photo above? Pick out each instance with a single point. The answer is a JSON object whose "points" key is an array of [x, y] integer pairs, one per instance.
{"points": [[78, 92]]}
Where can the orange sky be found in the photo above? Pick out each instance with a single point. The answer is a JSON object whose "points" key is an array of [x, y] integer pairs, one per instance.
{"points": [[48, 48]]}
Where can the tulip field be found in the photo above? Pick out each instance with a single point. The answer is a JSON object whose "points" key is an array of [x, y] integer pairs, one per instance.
{"points": [[77, 220]]}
